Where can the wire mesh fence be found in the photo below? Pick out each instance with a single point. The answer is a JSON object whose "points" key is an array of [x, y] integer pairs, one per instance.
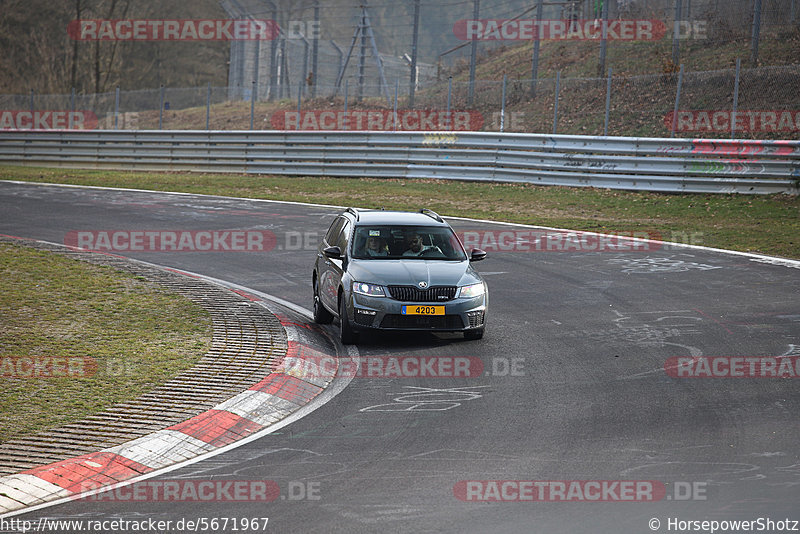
{"points": [[759, 103]]}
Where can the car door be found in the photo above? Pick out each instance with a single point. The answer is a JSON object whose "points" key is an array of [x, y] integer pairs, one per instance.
{"points": [[337, 267], [330, 270]]}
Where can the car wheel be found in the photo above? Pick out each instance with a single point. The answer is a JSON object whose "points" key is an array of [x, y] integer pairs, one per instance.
{"points": [[473, 334], [346, 333], [321, 314]]}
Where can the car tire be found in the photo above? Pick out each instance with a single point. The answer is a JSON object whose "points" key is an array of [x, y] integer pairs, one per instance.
{"points": [[473, 334], [321, 314], [346, 333]]}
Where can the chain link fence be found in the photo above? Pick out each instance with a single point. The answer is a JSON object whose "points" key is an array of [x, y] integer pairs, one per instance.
{"points": [[760, 103]]}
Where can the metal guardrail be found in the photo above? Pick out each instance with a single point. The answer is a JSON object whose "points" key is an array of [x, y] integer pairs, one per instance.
{"points": [[648, 164]]}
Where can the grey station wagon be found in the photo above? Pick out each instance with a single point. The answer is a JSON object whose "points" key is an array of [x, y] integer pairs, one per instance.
{"points": [[390, 270]]}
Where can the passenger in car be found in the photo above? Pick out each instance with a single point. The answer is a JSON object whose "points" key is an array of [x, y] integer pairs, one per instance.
{"points": [[376, 247]]}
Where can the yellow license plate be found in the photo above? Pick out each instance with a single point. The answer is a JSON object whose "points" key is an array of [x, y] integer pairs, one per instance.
{"points": [[423, 310]]}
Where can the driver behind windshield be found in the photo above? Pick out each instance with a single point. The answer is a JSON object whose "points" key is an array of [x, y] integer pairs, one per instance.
{"points": [[416, 247]]}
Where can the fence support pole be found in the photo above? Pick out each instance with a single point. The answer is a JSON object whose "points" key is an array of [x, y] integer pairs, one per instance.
{"points": [[71, 107], [252, 103], [412, 84], [299, 100], [676, 33], [536, 45], [677, 103], [756, 32], [116, 107], [208, 105], [396, 90], [346, 118], [474, 52], [161, 107], [608, 102], [555, 105], [735, 98], [449, 92], [604, 42], [503, 106], [315, 51]]}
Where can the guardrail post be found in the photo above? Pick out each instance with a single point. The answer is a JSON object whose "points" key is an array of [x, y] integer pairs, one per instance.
{"points": [[116, 107], [208, 105], [735, 98], [608, 102], [503, 106], [555, 105], [677, 103], [161, 107], [252, 103]]}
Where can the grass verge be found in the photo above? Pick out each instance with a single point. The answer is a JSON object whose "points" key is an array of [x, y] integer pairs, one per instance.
{"points": [[99, 337], [761, 224]]}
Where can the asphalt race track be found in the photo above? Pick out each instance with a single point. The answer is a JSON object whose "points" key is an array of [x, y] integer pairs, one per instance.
{"points": [[573, 388]]}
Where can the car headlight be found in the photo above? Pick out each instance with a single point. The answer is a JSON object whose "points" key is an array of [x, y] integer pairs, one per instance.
{"points": [[474, 290], [370, 290]]}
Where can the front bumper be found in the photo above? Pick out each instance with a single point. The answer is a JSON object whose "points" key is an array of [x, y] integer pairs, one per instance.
{"points": [[384, 313]]}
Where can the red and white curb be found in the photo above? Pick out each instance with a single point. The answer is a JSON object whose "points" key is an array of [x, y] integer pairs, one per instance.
{"points": [[296, 381]]}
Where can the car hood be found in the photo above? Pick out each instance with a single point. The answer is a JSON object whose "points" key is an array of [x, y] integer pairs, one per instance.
{"points": [[412, 272]]}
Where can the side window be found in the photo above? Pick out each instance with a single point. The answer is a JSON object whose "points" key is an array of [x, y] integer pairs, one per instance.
{"points": [[333, 231], [344, 236]]}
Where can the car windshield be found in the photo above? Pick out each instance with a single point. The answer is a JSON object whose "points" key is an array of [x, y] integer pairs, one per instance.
{"points": [[384, 242]]}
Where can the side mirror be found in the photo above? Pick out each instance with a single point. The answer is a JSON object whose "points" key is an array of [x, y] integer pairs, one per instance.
{"points": [[333, 253], [477, 254]]}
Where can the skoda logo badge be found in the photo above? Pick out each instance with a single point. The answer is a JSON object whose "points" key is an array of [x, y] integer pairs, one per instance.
{"points": [[423, 285]]}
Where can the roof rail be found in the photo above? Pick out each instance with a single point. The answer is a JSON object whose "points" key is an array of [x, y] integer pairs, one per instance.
{"points": [[354, 212], [432, 214]]}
